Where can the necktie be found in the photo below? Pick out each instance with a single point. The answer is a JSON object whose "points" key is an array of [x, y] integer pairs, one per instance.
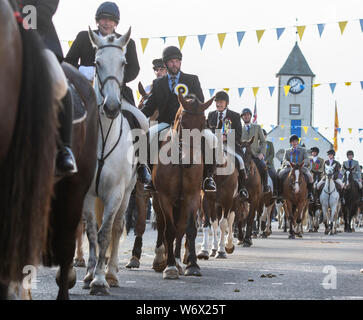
{"points": [[173, 82], [220, 122], [248, 129], [350, 163]]}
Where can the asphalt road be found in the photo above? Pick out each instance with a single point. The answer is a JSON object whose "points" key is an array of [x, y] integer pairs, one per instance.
{"points": [[317, 267]]}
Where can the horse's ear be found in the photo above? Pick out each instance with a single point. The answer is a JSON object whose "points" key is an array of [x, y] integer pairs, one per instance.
{"points": [[142, 90], [251, 140], [94, 38], [124, 40], [206, 105], [181, 99]]}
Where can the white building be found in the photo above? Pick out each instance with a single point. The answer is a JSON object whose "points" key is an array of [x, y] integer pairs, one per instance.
{"points": [[295, 110]]}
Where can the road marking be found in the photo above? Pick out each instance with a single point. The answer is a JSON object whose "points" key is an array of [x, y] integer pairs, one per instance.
{"points": [[229, 283], [277, 283]]}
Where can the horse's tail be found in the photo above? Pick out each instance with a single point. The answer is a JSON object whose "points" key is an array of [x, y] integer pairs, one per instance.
{"points": [[27, 173]]}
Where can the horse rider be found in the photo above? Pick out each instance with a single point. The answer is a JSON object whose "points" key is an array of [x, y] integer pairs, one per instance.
{"points": [[357, 176], [296, 154], [217, 120], [164, 99], [316, 166], [82, 56], [65, 161], [336, 175], [258, 147], [159, 70], [269, 160]]}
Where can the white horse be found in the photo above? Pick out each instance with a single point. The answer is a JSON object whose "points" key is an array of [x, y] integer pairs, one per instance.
{"points": [[330, 203], [115, 175]]}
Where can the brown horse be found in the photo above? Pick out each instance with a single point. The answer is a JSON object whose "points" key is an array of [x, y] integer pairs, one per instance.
{"points": [[28, 131], [296, 200], [177, 197], [218, 207], [254, 186]]}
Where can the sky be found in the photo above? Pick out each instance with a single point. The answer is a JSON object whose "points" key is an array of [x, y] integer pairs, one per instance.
{"points": [[333, 57]]}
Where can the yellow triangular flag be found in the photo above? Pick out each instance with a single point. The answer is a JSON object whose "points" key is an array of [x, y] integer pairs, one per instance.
{"points": [[300, 31], [255, 91], [144, 42], [287, 89], [342, 25], [226, 89], [181, 41], [315, 85], [282, 126], [261, 125], [259, 34], [138, 95], [317, 139], [282, 138], [70, 43], [305, 129], [350, 130], [348, 83], [221, 37]]}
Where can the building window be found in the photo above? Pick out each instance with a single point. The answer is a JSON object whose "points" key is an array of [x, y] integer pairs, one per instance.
{"points": [[295, 109]]}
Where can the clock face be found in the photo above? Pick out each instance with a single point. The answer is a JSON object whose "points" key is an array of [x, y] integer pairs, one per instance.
{"points": [[296, 84]]}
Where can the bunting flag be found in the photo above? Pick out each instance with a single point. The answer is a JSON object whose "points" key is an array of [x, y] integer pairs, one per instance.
{"points": [[342, 25], [272, 90], [282, 138], [164, 39], [361, 24], [279, 32], [259, 34], [201, 39], [226, 89], [240, 91], [350, 130], [342, 139], [361, 84], [305, 129], [300, 31], [360, 140], [181, 40], [321, 27], [240, 35], [255, 91], [287, 89], [332, 87], [70, 43], [316, 139], [336, 126], [211, 92], [348, 84], [144, 42], [221, 37], [315, 85]]}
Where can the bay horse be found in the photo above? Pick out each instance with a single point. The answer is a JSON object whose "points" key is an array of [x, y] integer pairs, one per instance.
{"points": [[296, 201], [314, 208], [28, 133], [115, 174], [217, 209], [351, 197], [178, 186], [254, 187]]}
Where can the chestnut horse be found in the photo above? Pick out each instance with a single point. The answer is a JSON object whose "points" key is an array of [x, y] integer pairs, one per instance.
{"points": [[28, 131], [296, 200], [177, 197]]}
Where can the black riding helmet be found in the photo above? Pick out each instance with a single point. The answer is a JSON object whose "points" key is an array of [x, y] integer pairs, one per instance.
{"points": [[108, 10], [158, 63], [222, 96], [350, 152], [331, 151], [294, 137], [246, 110], [171, 53], [315, 149]]}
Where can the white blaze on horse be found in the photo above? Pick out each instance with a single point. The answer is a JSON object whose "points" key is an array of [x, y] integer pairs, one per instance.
{"points": [[330, 203], [115, 176]]}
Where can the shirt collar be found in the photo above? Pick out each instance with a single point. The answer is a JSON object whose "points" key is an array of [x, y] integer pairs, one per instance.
{"points": [[177, 76], [224, 113]]}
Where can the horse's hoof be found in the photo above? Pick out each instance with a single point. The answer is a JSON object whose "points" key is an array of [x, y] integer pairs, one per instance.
{"points": [[311, 230], [134, 263], [326, 231], [254, 235], [193, 271], [247, 243], [159, 266], [213, 253], [229, 250], [264, 235], [99, 290], [203, 255], [79, 263], [171, 273], [180, 269], [86, 285], [112, 280], [72, 277], [221, 255], [291, 236]]}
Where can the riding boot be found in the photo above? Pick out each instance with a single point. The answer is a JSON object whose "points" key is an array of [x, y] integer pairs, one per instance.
{"points": [[266, 187], [65, 162], [208, 183], [274, 183], [279, 189], [318, 193], [242, 188]]}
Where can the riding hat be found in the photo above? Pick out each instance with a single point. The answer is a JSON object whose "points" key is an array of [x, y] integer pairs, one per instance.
{"points": [[108, 10], [222, 96], [171, 53], [350, 152], [315, 149], [246, 110], [331, 151], [158, 63], [294, 137]]}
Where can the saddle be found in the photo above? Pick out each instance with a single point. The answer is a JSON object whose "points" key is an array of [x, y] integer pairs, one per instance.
{"points": [[79, 110]]}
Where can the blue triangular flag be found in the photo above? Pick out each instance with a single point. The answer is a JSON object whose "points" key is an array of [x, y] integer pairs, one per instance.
{"points": [[332, 87], [361, 84], [271, 90], [360, 140], [360, 130], [361, 24], [164, 39], [272, 126], [342, 139], [321, 28], [201, 38], [240, 35], [211, 92], [339, 129], [240, 91], [279, 32]]}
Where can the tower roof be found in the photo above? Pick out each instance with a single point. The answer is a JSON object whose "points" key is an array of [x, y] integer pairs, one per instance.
{"points": [[296, 64]]}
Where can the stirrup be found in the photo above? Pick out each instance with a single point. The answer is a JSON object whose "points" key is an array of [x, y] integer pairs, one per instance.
{"points": [[61, 167], [243, 194], [212, 188]]}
